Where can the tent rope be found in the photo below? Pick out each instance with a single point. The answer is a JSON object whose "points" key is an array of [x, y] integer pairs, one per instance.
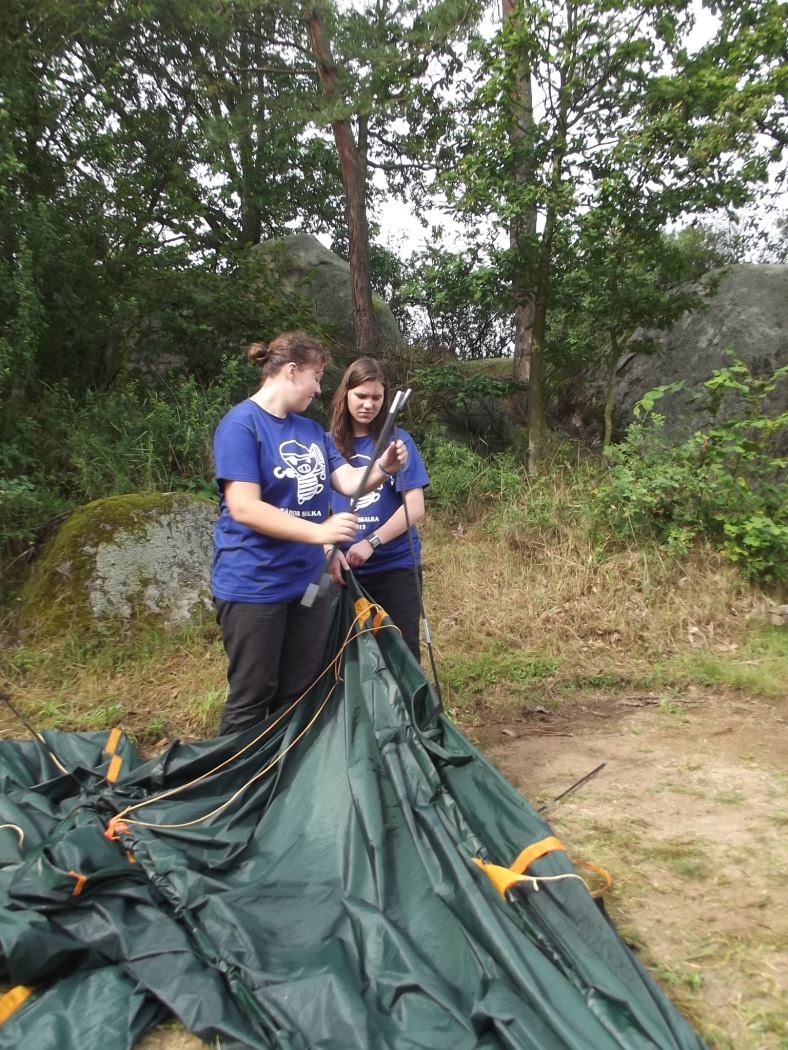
{"points": [[120, 822], [17, 829]]}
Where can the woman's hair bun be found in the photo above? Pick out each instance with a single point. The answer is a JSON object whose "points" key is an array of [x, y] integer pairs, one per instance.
{"points": [[257, 353], [296, 348]]}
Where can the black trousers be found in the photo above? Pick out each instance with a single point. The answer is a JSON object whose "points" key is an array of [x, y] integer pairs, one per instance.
{"points": [[275, 652], [397, 592]]}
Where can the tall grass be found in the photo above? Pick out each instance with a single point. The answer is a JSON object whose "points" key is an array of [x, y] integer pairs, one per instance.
{"points": [[139, 437], [527, 606]]}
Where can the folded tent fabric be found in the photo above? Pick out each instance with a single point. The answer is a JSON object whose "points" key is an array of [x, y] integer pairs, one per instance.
{"points": [[310, 884]]}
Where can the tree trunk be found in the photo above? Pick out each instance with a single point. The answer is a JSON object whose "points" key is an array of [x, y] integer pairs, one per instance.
{"points": [[541, 302], [251, 218], [535, 400], [354, 183], [615, 353], [611, 386], [525, 226]]}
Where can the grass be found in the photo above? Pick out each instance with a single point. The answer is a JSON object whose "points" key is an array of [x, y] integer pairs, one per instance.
{"points": [[155, 684], [561, 620], [526, 610], [708, 971]]}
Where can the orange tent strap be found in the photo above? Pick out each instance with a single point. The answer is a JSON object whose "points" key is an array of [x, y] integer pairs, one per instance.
{"points": [[600, 871], [13, 1000], [362, 608], [113, 740], [81, 880], [379, 617], [502, 878], [534, 851], [115, 829], [114, 768]]}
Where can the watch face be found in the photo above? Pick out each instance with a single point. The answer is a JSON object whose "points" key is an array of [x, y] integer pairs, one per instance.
{"points": [[374, 540]]}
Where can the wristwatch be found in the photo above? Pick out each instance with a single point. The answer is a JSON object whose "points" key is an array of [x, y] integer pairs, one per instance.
{"points": [[374, 540]]}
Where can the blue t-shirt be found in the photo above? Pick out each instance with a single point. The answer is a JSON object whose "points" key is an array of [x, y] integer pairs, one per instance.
{"points": [[376, 507], [292, 460]]}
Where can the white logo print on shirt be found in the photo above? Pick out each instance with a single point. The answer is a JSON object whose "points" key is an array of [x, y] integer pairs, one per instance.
{"points": [[306, 465], [370, 497]]}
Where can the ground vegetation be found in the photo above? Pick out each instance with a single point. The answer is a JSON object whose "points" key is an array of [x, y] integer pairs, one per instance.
{"points": [[558, 646]]}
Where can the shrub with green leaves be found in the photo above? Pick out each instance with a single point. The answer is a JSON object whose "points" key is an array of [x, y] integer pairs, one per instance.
{"points": [[138, 437], [728, 483], [463, 481]]}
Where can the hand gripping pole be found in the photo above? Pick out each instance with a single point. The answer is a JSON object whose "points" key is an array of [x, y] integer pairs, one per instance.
{"points": [[319, 585]]}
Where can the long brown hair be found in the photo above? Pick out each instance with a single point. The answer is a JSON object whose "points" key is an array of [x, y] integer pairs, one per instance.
{"points": [[364, 370], [298, 347]]}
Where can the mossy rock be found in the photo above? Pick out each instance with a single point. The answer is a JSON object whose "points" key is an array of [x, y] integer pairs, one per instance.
{"points": [[746, 311], [124, 559]]}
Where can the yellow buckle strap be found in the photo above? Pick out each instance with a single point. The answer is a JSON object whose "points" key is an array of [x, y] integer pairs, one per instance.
{"points": [[502, 878], [12, 1000], [534, 852]]}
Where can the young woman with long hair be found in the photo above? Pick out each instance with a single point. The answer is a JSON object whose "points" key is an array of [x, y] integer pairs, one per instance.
{"points": [[381, 556]]}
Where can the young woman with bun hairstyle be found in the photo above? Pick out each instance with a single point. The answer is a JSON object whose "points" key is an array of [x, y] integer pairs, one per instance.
{"points": [[381, 555], [275, 469]]}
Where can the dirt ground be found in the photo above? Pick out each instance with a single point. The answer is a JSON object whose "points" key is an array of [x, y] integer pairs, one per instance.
{"points": [[690, 818]]}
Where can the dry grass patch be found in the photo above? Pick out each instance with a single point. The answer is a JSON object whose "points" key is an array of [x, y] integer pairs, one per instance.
{"points": [[516, 618], [689, 828], [155, 685]]}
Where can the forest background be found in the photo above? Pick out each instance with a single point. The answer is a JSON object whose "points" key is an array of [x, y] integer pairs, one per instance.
{"points": [[593, 160], [596, 157]]}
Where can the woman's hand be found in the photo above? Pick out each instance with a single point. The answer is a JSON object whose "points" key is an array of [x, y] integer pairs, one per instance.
{"points": [[359, 553], [346, 479], [339, 528], [338, 563], [395, 457]]}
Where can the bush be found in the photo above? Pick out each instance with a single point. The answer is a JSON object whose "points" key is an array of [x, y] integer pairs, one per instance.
{"points": [[726, 484], [61, 454], [462, 481]]}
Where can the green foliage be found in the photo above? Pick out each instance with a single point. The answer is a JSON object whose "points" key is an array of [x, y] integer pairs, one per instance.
{"points": [[592, 126], [461, 480], [135, 438], [453, 402], [726, 484], [444, 383], [458, 303], [616, 272], [706, 246]]}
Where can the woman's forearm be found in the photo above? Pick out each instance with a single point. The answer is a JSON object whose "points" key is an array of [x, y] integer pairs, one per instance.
{"points": [[397, 523], [247, 508]]}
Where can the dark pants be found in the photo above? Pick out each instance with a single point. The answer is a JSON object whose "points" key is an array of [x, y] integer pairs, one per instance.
{"points": [[275, 652], [397, 592]]}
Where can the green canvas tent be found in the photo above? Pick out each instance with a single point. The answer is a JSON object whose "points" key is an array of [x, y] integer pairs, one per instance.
{"points": [[318, 883]]}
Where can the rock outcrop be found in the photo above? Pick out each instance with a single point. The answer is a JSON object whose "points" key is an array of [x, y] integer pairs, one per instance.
{"points": [[304, 267], [125, 558], [748, 313]]}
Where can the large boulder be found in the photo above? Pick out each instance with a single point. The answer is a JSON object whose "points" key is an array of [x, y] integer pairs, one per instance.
{"points": [[304, 267], [121, 559], [483, 424], [748, 313]]}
